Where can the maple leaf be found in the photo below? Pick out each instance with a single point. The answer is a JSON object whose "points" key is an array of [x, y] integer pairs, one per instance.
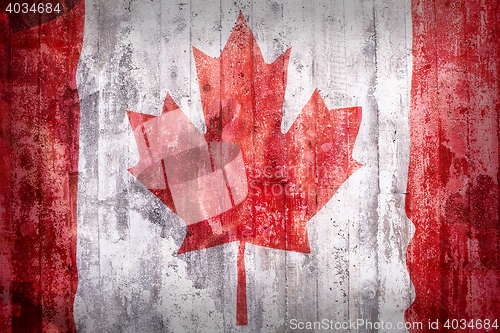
{"points": [[244, 180]]}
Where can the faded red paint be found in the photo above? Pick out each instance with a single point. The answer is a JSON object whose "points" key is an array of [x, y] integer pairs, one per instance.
{"points": [[39, 121], [453, 199], [289, 177]]}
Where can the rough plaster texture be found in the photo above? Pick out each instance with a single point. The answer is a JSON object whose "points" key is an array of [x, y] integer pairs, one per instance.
{"points": [[357, 53]]}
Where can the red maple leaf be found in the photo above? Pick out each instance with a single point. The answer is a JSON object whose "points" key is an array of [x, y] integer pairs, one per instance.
{"points": [[244, 180]]}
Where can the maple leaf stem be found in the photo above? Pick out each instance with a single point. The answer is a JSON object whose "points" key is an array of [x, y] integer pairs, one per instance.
{"points": [[241, 294]]}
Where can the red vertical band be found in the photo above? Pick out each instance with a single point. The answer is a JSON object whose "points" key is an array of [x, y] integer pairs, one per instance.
{"points": [[453, 199], [40, 118]]}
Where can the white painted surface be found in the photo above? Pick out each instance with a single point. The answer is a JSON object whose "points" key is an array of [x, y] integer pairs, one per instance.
{"points": [[357, 53]]}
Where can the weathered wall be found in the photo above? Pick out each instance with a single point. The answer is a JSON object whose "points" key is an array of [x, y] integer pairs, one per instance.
{"points": [[130, 268], [357, 53]]}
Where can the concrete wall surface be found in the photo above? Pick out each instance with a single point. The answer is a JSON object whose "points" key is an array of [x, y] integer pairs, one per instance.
{"points": [[131, 277]]}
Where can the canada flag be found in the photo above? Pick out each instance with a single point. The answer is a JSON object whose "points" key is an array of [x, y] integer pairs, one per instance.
{"points": [[249, 166]]}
